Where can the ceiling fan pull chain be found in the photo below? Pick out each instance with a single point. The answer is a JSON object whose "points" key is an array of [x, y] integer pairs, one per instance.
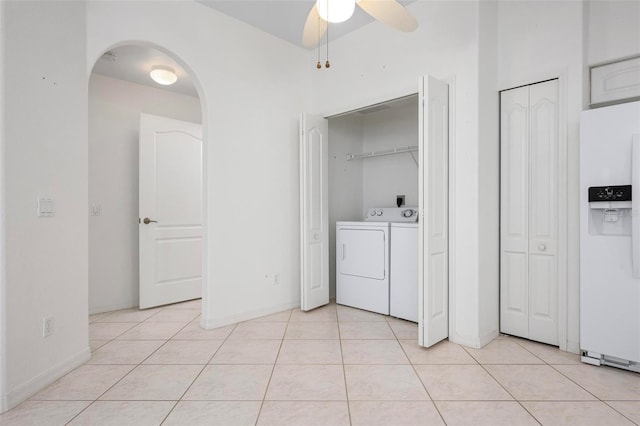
{"points": [[327, 64], [319, 65]]}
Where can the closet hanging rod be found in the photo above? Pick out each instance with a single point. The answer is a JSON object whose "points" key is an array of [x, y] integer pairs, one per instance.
{"points": [[382, 152]]}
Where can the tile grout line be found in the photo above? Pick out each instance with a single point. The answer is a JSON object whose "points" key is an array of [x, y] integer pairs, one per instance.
{"points": [[553, 367], [197, 375], [134, 365], [574, 382], [275, 361], [560, 372], [413, 367], [616, 410], [118, 381], [503, 386], [344, 369]]}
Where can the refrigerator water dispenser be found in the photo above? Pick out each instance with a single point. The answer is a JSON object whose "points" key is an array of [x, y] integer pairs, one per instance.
{"points": [[610, 210]]}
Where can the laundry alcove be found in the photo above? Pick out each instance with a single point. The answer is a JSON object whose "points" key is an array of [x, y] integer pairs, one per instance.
{"points": [[365, 158]]}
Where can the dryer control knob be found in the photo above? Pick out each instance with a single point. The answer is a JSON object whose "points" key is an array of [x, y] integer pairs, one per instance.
{"points": [[407, 213]]}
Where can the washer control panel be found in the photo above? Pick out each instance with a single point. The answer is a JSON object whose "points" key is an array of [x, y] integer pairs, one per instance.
{"points": [[392, 214]]}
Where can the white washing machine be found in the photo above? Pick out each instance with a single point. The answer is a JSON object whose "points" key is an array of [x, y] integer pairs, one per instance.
{"points": [[403, 284], [363, 258]]}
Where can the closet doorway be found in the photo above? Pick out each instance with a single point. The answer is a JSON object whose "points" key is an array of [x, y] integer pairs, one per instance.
{"points": [[317, 225], [531, 208]]}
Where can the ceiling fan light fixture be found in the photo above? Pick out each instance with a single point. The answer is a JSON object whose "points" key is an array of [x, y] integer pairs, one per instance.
{"points": [[336, 11], [163, 75]]}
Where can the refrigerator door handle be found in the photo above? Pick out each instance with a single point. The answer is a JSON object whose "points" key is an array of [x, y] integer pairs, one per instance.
{"points": [[635, 205], [635, 244]]}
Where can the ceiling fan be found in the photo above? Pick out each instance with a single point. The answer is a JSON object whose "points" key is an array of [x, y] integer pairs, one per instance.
{"points": [[389, 12]]}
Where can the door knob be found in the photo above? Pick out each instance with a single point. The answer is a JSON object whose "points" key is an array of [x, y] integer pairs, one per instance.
{"points": [[542, 247], [147, 221]]}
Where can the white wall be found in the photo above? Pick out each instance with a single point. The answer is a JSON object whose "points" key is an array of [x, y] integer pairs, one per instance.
{"points": [[253, 87], [45, 148], [614, 30], [385, 177], [114, 119], [488, 172], [345, 181], [3, 278]]}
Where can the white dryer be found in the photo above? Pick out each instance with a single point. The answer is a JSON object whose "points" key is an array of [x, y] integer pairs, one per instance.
{"points": [[362, 265], [363, 258]]}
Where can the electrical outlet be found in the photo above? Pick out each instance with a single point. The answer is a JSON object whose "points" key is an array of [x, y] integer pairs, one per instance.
{"points": [[271, 278], [47, 326], [399, 200]]}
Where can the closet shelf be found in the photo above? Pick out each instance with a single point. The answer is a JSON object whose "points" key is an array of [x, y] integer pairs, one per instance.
{"points": [[372, 154]]}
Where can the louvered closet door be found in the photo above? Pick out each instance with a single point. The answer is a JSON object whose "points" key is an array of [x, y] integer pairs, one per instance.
{"points": [[528, 212]]}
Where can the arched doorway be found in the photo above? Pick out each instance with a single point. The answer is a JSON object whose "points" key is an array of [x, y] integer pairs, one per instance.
{"points": [[120, 92]]}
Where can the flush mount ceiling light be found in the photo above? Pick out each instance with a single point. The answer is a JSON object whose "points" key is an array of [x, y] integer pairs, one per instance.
{"points": [[163, 75]]}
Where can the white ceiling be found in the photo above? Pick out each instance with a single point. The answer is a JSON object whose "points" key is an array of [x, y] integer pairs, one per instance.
{"points": [[285, 18], [282, 18]]}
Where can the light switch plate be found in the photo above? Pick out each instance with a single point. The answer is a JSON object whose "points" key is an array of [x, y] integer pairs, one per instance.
{"points": [[45, 207], [271, 278]]}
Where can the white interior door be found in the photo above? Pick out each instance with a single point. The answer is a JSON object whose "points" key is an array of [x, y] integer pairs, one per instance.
{"points": [[529, 212], [433, 192], [171, 234], [314, 212]]}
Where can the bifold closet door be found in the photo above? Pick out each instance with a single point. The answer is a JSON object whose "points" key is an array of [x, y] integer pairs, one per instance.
{"points": [[514, 211], [314, 212], [433, 202], [529, 210]]}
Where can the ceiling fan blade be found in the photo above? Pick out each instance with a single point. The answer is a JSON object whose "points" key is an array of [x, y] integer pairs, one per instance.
{"points": [[391, 13], [314, 28]]}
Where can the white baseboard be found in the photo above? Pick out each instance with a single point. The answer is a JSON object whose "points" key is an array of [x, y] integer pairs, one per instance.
{"points": [[39, 382], [488, 338], [573, 347], [4, 405], [475, 342], [215, 322], [103, 309]]}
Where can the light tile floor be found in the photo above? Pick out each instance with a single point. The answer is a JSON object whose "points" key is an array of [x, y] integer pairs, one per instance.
{"points": [[332, 366]]}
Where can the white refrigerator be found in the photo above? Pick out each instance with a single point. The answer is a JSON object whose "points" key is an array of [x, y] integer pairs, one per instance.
{"points": [[610, 236]]}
